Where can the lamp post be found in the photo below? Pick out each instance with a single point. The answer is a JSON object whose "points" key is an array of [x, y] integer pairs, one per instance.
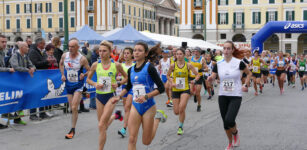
{"points": [[205, 17], [65, 45]]}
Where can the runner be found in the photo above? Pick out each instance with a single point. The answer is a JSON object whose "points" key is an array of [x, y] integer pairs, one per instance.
{"points": [[180, 86], [301, 65], [127, 98], [247, 60], [71, 67], [273, 69], [141, 79], [106, 85], [195, 87], [187, 55], [164, 65], [230, 92], [256, 62], [265, 68], [208, 70], [292, 70], [281, 64]]}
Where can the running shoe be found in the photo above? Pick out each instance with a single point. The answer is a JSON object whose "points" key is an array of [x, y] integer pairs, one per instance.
{"points": [[180, 131], [261, 87], [161, 115], [236, 140], [209, 98], [122, 132], [256, 93], [21, 122], [273, 84], [118, 115], [212, 92], [70, 134], [205, 92], [170, 104], [305, 85], [303, 88], [167, 102], [195, 99], [21, 114], [198, 108], [229, 147]]}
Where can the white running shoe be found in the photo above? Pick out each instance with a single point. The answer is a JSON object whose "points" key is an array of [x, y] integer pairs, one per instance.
{"points": [[229, 147], [236, 139]]}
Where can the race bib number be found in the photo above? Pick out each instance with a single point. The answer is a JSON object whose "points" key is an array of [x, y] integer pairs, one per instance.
{"points": [[138, 90], [228, 85], [302, 68], [255, 68], [164, 71], [193, 72], [180, 83], [106, 82], [72, 76]]}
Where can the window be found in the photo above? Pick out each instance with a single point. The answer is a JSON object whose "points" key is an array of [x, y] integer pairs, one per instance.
{"points": [[129, 9], [38, 7], [289, 1], [145, 28], [222, 18], [222, 36], [134, 11], [91, 21], [61, 23], [39, 23], [238, 18], [255, 1], [222, 2], [7, 9], [305, 15], [253, 34], [60, 6], [303, 1], [91, 3], [288, 36], [153, 28], [72, 22], [17, 23], [272, 1], [28, 23], [49, 22], [198, 19], [124, 9], [72, 6], [114, 22], [17, 8], [48, 7], [129, 21], [239, 2], [154, 15], [288, 48], [256, 18], [139, 12], [271, 16], [27, 8], [290, 16]]}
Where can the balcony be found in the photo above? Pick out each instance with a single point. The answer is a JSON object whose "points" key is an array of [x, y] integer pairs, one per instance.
{"points": [[90, 8], [17, 31], [197, 27], [238, 27], [115, 10]]}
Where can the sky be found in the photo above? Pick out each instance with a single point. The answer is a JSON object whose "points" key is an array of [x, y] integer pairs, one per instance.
{"points": [[177, 1]]}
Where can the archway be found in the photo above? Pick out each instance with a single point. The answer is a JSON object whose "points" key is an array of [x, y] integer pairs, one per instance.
{"points": [[272, 43], [277, 27], [18, 39], [198, 36], [302, 44], [239, 38]]}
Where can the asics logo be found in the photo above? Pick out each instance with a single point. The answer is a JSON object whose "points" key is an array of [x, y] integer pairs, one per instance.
{"points": [[293, 26]]}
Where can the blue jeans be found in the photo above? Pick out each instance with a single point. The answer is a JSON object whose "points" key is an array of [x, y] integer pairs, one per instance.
{"points": [[93, 103]]}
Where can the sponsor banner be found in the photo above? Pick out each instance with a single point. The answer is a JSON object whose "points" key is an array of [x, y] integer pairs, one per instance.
{"points": [[19, 91]]}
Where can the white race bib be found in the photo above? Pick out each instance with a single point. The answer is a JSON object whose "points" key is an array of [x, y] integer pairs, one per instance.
{"points": [[255, 68], [228, 85], [180, 83], [106, 82], [280, 63], [138, 90], [164, 71], [72, 76], [302, 68]]}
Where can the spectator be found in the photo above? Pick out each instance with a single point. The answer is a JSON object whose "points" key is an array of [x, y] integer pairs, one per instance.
{"points": [[3, 67], [86, 51], [95, 54], [29, 41], [50, 57], [39, 59], [56, 41]]}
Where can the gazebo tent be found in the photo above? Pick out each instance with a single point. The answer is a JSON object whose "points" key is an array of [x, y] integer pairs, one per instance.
{"points": [[86, 34]]}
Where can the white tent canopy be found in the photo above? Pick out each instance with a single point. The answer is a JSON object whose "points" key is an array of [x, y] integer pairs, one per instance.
{"points": [[177, 41]]}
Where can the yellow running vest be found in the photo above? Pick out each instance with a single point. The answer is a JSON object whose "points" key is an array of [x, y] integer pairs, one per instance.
{"points": [[106, 77], [256, 65], [197, 64], [180, 78]]}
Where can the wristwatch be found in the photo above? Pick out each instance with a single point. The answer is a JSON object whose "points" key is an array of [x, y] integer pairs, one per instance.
{"points": [[146, 97]]}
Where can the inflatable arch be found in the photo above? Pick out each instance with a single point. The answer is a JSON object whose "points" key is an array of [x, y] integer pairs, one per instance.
{"points": [[276, 27]]}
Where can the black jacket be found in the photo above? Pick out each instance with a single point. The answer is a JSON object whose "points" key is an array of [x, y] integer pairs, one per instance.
{"points": [[38, 59], [58, 54]]}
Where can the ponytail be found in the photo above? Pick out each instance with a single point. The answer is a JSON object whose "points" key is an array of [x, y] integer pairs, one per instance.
{"points": [[236, 53]]}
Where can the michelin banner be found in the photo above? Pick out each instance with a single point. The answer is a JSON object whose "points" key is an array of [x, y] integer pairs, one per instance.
{"points": [[19, 91]]}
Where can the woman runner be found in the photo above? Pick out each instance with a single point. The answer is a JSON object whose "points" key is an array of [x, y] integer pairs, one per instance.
{"points": [[281, 64]]}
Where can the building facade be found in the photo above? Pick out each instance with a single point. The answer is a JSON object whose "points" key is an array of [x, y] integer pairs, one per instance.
{"points": [[239, 20], [24, 18]]}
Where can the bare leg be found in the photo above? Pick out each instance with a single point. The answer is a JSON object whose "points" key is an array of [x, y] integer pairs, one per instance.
{"points": [[134, 123], [74, 108]]}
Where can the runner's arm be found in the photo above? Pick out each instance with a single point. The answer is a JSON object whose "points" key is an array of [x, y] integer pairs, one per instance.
{"points": [[122, 72], [194, 71], [90, 75], [62, 64], [170, 70], [86, 65], [157, 80]]}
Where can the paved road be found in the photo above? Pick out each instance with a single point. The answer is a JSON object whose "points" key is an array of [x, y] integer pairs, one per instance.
{"points": [[266, 122]]}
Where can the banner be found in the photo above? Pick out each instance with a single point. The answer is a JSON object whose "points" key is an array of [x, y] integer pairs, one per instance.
{"points": [[19, 91]]}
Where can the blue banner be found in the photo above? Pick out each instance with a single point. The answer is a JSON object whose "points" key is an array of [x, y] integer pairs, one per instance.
{"points": [[19, 91]]}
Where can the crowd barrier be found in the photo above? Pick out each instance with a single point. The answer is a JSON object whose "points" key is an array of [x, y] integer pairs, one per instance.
{"points": [[20, 91]]}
